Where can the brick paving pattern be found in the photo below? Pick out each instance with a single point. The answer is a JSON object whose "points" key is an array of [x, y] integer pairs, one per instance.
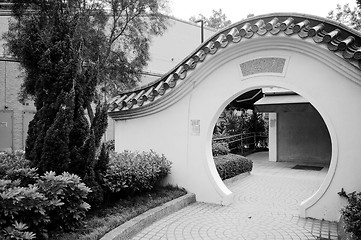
{"points": [[265, 207]]}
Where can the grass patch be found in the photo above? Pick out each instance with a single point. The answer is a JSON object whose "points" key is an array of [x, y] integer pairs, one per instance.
{"points": [[103, 220]]}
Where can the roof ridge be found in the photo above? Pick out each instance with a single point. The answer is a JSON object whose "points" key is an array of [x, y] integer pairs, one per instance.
{"points": [[338, 38]]}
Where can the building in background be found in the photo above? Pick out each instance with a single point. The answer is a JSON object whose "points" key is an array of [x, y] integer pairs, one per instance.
{"points": [[177, 42], [297, 132]]}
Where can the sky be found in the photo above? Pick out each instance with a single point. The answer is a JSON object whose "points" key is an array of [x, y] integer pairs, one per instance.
{"points": [[236, 10]]}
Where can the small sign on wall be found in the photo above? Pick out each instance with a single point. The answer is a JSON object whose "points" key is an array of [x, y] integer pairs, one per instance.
{"points": [[195, 127]]}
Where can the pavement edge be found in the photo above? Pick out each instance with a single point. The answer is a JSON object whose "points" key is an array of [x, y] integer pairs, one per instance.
{"points": [[135, 225]]}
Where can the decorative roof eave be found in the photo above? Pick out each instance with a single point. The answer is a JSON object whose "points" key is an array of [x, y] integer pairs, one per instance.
{"points": [[339, 39]]}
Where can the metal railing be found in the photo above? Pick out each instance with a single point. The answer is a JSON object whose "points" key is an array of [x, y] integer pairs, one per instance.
{"points": [[245, 141]]}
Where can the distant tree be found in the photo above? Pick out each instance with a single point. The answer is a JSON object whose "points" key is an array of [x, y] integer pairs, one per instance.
{"points": [[351, 17], [217, 20]]}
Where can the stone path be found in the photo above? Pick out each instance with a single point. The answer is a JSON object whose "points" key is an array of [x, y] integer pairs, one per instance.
{"points": [[265, 207]]}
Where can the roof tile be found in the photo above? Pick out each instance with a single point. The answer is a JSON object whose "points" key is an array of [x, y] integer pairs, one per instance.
{"points": [[339, 39]]}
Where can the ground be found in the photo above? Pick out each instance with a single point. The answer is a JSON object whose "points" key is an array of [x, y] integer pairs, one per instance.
{"points": [[265, 207]]}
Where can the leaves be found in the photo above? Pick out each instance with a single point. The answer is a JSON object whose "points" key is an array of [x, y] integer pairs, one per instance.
{"points": [[351, 17], [18, 231], [220, 148], [352, 214], [133, 172], [51, 201], [217, 20], [75, 54]]}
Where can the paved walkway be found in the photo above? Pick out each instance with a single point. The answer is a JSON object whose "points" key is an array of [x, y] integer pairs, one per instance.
{"points": [[265, 207]]}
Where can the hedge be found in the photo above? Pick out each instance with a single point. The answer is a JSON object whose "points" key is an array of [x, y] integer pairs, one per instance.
{"points": [[134, 172], [232, 165], [220, 148]]}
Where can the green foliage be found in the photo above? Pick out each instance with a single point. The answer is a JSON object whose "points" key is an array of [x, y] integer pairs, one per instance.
{"points": [[232, 165], [110, 145], [256, 123], [351, 17], [48, 202], [352, 214], [14, 166], [133, 172], [73, 54], [55, 152], [17, 231], [67, 195], [220, 148], [217, 20], [231, 123], [12, 160], [23, 204], [245, 130]]}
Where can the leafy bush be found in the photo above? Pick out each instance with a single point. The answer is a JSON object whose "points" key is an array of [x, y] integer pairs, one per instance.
{"points": [[220, 148], [231, 165], [23, 204], [66, 194], [352, 214], [110, 145], [17, 231], [133, 172], [48, 202], [12, 160]]}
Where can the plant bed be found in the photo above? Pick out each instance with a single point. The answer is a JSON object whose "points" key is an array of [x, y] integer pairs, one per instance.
{"points": [[110, 216], [343, 235], [231, 165], [350, 222]]}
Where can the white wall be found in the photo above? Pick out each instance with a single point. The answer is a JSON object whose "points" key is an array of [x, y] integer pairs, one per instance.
{"points": [[330, 84]]}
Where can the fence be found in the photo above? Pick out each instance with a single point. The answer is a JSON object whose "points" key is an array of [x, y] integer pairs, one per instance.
{"points": [[244, 142]]}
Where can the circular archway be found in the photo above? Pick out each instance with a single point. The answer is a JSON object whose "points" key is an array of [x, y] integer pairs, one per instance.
{"points": [[308, 86], [295, 108], [313, 57]]}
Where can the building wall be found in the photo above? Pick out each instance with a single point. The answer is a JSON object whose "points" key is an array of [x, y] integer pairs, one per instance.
{"points": [[163, 58], [179, 40], [302, 137], [10, 84], [180, 124]]}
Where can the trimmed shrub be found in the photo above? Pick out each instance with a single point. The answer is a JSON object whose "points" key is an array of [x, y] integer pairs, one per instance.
{"points": [[133, 172], [352, 215], [220, 148], [232, 165]]}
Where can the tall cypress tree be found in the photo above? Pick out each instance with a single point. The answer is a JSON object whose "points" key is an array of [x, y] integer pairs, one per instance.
{"points": [[46, 42], [67, 49]]}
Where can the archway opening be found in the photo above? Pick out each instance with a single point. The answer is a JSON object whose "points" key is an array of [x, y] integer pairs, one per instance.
{"points": [[286, 139]]}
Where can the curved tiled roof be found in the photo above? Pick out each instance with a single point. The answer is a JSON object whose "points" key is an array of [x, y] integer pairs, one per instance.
{"points": [[338, 38]]}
